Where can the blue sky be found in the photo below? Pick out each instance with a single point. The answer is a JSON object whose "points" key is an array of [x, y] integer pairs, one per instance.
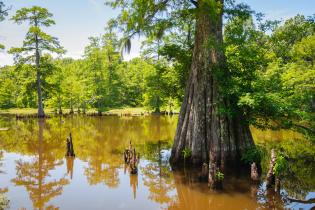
{"points": [[76, 20]]}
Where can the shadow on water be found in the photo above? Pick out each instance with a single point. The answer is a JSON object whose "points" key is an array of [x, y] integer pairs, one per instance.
{"points": [[37, 174]]}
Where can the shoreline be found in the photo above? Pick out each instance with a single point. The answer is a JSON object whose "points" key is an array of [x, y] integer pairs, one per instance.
{"points": [[132, 112]]}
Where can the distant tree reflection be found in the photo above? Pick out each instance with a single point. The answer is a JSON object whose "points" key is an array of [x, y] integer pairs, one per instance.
{"points": [[34, 174], [4, 202], [157, 173], [103, 164], [1, 164]]}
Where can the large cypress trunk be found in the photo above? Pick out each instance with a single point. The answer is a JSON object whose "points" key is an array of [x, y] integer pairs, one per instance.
{"points": [[203, 126]]}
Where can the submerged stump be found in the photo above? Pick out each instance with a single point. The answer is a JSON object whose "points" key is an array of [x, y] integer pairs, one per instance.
{"points": [[271, 178], [254, 172], [70, 150], [131, 158]]}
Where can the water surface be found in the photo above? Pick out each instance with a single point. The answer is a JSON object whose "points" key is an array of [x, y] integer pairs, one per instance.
{"points": [[34, 173]]}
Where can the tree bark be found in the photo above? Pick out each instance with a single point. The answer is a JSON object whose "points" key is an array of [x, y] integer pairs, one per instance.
{"points": [[271, 178], [41, 112], [202, 126], [59, 102], [254, 172]]}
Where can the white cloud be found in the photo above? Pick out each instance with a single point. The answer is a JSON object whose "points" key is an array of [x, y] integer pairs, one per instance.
{"points": [[278, 14], [97, 5], [5, 59], [74, 54], [93, 2]]}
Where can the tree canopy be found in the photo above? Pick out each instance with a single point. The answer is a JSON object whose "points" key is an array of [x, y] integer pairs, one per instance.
{"points": [[35, 44], [270, 63]]}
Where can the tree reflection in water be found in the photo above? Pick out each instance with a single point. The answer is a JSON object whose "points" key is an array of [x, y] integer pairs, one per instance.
{"points": [[1, 163], [182, 189], [156, 172], [133, 180], [134, 184], [99, 144], [103, 163], [33, 174], [4, 202], [70, 163], [105, 141], [100, 172]]}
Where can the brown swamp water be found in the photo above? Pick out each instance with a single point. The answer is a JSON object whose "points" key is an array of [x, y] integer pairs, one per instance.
{"points": [[36, 175]]}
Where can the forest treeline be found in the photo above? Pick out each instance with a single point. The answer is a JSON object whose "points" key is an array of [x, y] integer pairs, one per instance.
{"points": [[271, 67]]}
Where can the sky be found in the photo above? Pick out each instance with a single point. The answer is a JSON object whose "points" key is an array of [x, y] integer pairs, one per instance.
{"points": [[76, 20]]}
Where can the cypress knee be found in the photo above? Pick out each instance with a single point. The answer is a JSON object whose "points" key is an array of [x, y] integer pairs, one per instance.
{"points": [[271, 178], [254, 172]]}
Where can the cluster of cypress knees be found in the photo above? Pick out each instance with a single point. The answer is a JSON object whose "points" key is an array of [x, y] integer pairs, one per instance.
{"points": [[210, 173]]}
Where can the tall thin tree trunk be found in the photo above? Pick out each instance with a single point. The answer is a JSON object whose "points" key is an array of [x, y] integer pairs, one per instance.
{"points": [[41, 113], [59, 94], [203, 126], [59, 103], [71, 105], [99, 107]]}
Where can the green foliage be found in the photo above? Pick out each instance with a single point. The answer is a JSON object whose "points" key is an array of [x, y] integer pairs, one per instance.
{"points": [[3, 11], [4, 202], [154, 95], [133, 76], [170, 37], [280, 166], [3, 14], [186, 153], [269, 76], [291, 32], [253, 154], [35, 39], [36, 44], [271, 85], [219, 176]]}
